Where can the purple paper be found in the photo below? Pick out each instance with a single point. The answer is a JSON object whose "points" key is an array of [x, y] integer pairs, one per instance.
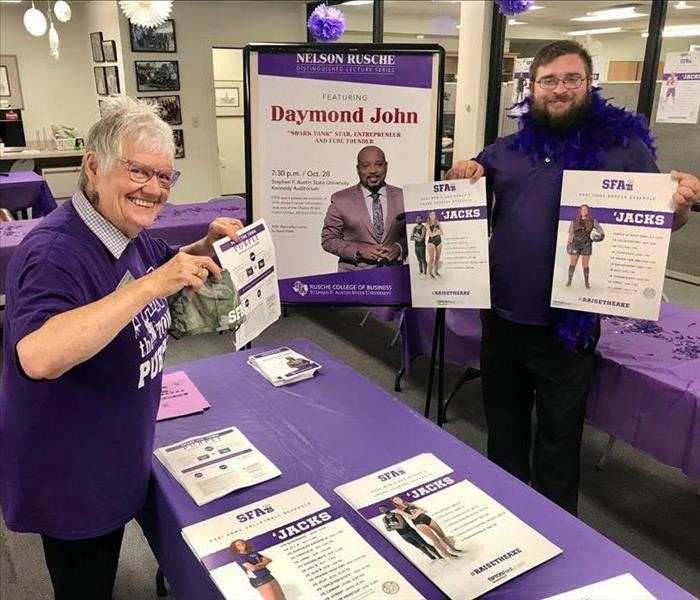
{"points": [[179, 397], [398, 70], [464, 213]]}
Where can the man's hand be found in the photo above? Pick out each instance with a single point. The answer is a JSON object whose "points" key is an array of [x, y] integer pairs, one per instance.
{"points": [[223, 227], [371, 252], [390, 253], [687, 191], [182, 270], [465, 169]]}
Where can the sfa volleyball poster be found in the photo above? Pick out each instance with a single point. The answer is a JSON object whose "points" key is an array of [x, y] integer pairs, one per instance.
{"points": [[334, 137]]}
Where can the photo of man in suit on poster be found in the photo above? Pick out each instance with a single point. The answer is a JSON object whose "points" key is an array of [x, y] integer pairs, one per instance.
{"points": [[364, 225]]}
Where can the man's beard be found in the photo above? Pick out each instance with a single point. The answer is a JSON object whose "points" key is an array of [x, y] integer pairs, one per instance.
{"points": [[563, 121]]}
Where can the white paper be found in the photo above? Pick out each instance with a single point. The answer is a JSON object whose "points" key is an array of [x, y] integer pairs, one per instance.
{"points": [[490, 545], [521, 82], [251, 261], [212, 465], [622, 587], [456, 210], [313, 552], [634, 211], [679, 96], [283, 365]]}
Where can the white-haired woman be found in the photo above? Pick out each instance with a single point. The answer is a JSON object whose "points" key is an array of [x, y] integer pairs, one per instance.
{"points": [[85, 331]]}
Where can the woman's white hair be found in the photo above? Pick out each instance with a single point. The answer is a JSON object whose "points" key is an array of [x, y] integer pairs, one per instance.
{"points": [[126, 121]]}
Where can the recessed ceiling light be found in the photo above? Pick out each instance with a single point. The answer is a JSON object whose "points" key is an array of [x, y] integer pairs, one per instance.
{"points": [[682, 5], [611, 14], [516, 22], [678, 31], [595, 31]]}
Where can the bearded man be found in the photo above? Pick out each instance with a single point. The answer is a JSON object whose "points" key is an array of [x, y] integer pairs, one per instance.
{"points": [[532, 354]]}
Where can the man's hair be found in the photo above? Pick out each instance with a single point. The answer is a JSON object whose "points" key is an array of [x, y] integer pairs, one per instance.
{"points": [[126, 121], [550, 52]]}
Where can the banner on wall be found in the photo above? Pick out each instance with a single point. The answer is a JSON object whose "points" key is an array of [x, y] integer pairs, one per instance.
{"points": [[679, 97], [333, 134]]}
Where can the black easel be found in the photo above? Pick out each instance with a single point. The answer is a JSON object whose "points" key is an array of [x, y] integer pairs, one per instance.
{"points": [[437, 353]]}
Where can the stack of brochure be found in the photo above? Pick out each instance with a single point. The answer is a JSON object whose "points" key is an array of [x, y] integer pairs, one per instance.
{"points": [[282, 366], [212, 465]]}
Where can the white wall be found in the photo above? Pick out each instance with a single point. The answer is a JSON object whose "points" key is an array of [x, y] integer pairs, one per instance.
{"points": [[228, 65], [54, 91], [201, 26]]}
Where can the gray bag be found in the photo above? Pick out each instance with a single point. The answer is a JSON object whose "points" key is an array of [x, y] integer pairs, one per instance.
{"points": [[216, 306]]}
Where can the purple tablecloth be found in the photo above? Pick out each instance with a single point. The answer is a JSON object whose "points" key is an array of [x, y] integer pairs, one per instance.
{"points": [[646, 386], [177, 224], [337, 427], [26, 189]]}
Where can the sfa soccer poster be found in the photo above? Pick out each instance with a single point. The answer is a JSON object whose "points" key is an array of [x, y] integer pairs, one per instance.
{"points": [[334, 136]]}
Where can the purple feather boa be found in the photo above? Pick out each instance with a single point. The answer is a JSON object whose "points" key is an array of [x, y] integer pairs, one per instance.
{"points": [[581, 148], [510, 8]]}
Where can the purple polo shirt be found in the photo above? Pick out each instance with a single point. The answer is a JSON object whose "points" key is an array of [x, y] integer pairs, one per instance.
{"points": [[524, 223], [75, 452]]}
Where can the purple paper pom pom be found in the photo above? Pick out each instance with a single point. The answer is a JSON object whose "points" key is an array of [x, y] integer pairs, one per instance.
{"points": [[511, 8], [326, 23]]}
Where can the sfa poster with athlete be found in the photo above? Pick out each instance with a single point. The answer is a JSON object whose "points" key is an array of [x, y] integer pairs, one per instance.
{"points": [[612, 243], [334, 136]]}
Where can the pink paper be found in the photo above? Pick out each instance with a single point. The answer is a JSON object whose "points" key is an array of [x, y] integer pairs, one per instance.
{"points": [[179, 396]]}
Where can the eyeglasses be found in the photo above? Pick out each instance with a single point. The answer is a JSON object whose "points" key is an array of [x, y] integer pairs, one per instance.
{"points": [[140, 173], [571, 82]]}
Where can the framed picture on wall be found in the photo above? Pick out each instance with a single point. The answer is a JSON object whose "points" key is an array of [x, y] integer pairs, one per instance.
{"points": [[179, 138], [228, 98], [170, 110], [96, 45], [157, 75], [109, 50], [112, 78], [10, 89], [154, 39], [100, 81]]}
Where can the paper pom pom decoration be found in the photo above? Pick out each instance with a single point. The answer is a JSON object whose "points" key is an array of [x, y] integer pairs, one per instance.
{"points": [[53, 42], [35, 21], [326, 23], [146, 13], [511, 8], [62, 11]]}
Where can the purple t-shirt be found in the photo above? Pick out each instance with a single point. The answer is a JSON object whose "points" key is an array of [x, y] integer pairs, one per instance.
{"points": [[75, 452], [525, 219]]}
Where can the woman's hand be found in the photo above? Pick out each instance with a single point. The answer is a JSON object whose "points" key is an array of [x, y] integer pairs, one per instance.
{"points": [[223, 227], [465, 169], [183, 270]]}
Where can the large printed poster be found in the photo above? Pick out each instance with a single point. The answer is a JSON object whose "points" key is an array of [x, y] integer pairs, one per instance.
{"points": [[334, 135], [679, 96]]}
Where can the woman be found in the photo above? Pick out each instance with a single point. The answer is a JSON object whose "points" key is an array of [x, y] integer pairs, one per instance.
{"points": [[434, 244], [255, 566], [85, 332], [580, 242], [418, 236], [427, 526]]}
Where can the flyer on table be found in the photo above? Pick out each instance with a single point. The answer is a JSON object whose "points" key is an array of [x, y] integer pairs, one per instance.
{"points": [[612, 242], [251, 261], [212, 465], [290, 546], [447, 233], [464, 541], [306, 183], [622, 587], [679, 96]]}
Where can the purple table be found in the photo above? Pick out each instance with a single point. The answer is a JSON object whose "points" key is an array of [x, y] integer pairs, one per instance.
{"points": [[337, 427], [177, 224], [25, 189], [646, 386]]}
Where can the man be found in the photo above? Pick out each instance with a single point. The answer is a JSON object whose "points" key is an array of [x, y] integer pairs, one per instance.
{"points": [[567, 125], [395, 522], [364, 224]]}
